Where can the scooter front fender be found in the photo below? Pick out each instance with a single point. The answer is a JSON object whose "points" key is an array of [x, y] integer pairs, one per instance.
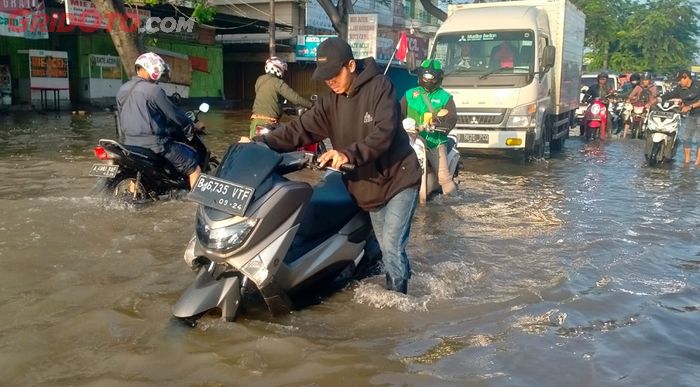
{"points": [[207, 293], [658, 137]]}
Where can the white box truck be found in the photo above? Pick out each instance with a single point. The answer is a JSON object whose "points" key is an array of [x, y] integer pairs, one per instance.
{"points": [[513, 69]]}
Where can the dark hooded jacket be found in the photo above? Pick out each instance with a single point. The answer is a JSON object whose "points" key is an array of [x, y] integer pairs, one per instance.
{"points": [[365, 125]]}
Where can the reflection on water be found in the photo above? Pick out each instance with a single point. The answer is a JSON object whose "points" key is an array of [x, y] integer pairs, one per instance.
{"points": [[581, 268]]}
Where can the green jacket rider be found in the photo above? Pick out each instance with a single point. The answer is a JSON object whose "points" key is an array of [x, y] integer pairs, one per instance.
{"points": [[422, 103]]}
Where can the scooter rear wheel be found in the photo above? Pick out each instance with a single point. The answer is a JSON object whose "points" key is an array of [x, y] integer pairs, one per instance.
{"points": [[128, 189]]}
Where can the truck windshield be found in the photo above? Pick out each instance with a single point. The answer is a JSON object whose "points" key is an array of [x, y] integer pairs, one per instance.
{"points": [[485, 52]]}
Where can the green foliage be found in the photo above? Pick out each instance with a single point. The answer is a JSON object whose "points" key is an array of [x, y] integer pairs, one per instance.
{"points": [[634, 35], [203, 12]]}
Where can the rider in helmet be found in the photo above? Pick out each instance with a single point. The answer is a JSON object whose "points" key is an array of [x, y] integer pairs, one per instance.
{"points": [[422, 103], [269, 87], [149, 119], [644, 92], [627, 88]]}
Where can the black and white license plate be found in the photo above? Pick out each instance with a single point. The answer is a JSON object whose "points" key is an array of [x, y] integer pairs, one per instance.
{"points": [[104, 170], [474, 138], [223, 195]]}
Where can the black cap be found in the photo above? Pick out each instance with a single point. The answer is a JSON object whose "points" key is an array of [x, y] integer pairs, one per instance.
{"points": [[331, 55]]}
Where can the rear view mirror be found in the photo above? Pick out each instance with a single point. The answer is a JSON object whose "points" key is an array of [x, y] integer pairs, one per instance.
{"points": [[548, 56], [204, 107]]}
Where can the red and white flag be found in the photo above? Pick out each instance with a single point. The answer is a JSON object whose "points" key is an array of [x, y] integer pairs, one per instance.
{"points": [[402, 47]]}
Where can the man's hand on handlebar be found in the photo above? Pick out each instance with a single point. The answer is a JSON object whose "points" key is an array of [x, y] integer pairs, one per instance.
{"points": [[199, 127], [335, 158], [244, 140]]}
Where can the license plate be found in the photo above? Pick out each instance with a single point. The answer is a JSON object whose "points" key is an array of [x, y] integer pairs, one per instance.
{"points": [[223, 195], [474, 138], [104, 170]]}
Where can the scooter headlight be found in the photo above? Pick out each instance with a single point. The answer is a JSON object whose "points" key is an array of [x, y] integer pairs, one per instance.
{"points": [[225, 238]]}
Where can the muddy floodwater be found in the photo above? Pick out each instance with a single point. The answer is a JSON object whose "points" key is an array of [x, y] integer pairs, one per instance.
{"points": [[583, 270]]}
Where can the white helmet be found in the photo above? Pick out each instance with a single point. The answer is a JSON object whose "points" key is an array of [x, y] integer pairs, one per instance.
{"points": [[275, 66], [154, 65]]}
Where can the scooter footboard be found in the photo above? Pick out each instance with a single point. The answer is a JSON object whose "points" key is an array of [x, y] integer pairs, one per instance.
{"points": [[207, 293]]}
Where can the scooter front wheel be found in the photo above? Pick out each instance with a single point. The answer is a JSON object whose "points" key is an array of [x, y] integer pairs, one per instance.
{"points": [[653, 158]]}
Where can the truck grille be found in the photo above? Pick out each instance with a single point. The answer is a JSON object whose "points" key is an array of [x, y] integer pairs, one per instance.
{"points": [[476, 117]]}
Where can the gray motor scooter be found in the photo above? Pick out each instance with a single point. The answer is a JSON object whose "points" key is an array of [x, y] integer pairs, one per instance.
{"points": [[260, 233]]}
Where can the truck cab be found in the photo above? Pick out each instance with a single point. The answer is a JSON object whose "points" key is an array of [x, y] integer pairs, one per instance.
{"points": [[514, 89]]}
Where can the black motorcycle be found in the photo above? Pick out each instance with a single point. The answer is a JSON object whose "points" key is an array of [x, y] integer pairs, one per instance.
{"points": [[136, 174]]}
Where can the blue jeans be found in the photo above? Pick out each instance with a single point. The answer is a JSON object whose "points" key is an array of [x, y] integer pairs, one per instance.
{"points": [[689, 127], [392, 225]]}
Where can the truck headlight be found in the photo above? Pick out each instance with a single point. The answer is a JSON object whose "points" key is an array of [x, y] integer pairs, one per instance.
{"points": [[225, 238], [523, 116]]}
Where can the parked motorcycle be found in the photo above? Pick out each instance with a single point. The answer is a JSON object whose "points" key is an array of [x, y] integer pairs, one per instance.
{"points": [[616, 107], [259, 234], [638, 120], [137, 174], [429, 180], [595, 119], [662, 133]]}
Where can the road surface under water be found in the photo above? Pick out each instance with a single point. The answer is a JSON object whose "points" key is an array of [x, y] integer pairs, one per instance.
{"points": [[580, 270]]}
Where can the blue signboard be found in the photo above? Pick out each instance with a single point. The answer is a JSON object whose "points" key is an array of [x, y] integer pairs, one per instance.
{"points": [[307, 44]]}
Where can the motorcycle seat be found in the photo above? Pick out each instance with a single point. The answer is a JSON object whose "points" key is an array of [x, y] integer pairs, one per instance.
{"points": [[329, 208]]}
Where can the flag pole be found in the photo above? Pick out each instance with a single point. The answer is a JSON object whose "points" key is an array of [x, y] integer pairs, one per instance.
{"points": [[390, 59]]}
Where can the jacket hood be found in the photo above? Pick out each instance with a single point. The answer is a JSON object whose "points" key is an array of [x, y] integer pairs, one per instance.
{"points": [[366, 69]]}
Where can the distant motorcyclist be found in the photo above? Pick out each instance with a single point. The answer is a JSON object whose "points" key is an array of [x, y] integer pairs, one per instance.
{"points": [[149, 119], [422, 104], [267, 107], [599, 90], [627, 88], [645, 92]]}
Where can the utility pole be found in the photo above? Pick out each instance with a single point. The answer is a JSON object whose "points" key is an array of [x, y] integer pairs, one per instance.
{"points": [[272, 27]]}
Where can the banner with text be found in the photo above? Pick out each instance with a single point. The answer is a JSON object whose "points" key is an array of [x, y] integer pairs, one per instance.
{"points": [[84, 13], [48, 69], [22, 22], [362, 35]]}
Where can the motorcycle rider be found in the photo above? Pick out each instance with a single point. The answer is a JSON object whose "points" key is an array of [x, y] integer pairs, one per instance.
{"points": [[269, 87], [599, 90], [624, 93], [361, 118], [644, 92], [422, 104], [149, 119], [688, 91]]}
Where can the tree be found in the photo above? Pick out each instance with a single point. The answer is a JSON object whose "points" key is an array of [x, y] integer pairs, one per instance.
{"points": [[125, 36], [127, 42], [603, 23], [659, 36], [338, 13]]}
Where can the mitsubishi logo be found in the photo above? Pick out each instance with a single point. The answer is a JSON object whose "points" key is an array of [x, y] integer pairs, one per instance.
{"points": [[474, 121]]}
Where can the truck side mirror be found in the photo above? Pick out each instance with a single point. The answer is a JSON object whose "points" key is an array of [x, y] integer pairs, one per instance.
{"points": [[548, 56]]}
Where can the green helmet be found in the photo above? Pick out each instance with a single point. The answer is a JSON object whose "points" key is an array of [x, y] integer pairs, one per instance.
{"points": [[430, 74]]}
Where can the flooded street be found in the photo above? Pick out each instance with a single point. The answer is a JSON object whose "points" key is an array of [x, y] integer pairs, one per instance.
{"points": [[581, 270]]}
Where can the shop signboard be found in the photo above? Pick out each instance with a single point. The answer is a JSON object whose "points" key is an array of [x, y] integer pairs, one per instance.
{"points": [[307, 45], [105, 67], [362, 34], [48, 70]]}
